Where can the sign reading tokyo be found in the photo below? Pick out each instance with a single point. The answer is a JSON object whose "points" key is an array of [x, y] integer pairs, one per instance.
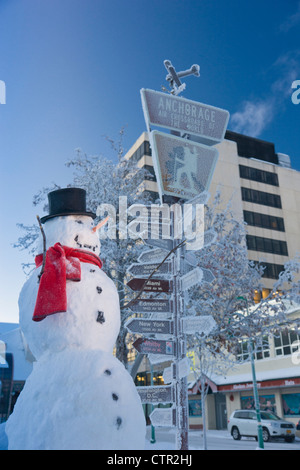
{"points": [[206, 122]]}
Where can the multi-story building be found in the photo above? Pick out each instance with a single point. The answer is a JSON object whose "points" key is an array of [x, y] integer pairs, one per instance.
{"points": [[265, 193]]}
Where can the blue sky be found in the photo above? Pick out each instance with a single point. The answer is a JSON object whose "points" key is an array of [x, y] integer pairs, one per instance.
{"points": [[73, 70]]}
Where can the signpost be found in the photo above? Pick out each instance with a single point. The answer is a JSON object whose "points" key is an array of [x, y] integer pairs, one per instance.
{"points": [[137, 269], [156, 394], [184, 163], [152, 306], [155, 346], [163, 417], [154, 255], [153, 285], [202, 324], [153, 326], [184, 168], [180, 114]]}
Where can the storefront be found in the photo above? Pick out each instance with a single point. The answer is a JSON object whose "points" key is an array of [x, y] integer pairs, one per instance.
{"points": [[281, 396]]}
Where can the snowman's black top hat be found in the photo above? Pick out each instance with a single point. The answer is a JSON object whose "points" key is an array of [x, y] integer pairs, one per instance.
{"points": [[67, 201]]}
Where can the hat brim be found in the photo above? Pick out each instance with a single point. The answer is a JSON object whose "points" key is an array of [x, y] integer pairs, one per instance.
{"points": [[47, 217]]}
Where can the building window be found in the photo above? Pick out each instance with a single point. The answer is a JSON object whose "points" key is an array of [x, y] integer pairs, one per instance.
{"points": [[267, 245], [291, 404], [266, 402], [144, 149], [260, 197], [264, 221], [261, 176], [286, 342], [261, 349]]}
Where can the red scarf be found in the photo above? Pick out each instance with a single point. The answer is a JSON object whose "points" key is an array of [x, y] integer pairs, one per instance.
{"points": [[62, 263]]}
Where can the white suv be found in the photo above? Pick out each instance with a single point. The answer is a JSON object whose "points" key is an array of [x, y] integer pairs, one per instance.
{"points": [[244, 423]]}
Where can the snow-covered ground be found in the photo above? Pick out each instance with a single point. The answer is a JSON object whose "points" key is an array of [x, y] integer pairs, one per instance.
{"points": [[217, 440]]}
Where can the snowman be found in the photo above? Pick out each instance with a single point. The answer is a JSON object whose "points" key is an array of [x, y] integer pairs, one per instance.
{"points": [[78, 396]]}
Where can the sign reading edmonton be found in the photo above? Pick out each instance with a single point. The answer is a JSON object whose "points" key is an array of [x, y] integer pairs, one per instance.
{"points": [[206, 122]]}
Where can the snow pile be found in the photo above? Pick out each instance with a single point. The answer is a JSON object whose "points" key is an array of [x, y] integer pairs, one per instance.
{"points": [[77, 400]]}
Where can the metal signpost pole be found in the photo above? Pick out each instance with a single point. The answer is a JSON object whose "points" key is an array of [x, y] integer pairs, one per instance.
{"points": [[180, 383]]}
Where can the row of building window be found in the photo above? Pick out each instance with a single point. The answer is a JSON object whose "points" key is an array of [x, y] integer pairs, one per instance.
{"points": [[286, 343], [260, 197], [261, 176], [264, 221], [144, 149], [267, 245]]}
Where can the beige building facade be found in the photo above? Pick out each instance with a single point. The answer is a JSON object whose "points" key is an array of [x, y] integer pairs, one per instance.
{"points": [[265, 193]]}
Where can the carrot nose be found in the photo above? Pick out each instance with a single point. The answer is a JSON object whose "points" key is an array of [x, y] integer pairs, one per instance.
{"points": [[103, 222]]}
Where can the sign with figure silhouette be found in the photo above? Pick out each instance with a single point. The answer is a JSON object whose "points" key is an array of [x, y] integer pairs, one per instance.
{"points": [[184, 168]]}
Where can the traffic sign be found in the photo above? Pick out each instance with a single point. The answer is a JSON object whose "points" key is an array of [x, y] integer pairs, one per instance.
{"points": [[206, 122], [153, 346], [203, 324], [144, 270], [191, 278], [155, 326], [152, 306], [151, 285], [163, 417], [157, 394], [183, 168]]}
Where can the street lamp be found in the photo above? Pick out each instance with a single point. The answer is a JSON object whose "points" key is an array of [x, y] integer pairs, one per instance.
{"points": [[255, 390]]}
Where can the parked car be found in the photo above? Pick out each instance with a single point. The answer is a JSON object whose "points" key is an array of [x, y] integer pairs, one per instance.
{"points": [[298, 425], [244, 423]]}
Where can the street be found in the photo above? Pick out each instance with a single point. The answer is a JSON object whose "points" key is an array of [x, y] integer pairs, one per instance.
{"points": [[216, 440]]}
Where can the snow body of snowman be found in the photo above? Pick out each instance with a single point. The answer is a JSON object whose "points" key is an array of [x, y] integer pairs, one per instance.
{"points": [[78, 396]]}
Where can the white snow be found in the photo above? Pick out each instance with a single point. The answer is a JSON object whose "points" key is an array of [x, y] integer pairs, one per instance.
{"points": [[77, 399]]}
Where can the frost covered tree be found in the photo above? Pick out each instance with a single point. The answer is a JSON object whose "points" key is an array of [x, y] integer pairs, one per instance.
{"points": [[229, 299]]}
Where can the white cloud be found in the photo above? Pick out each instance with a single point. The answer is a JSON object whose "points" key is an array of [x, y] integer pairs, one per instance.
{"points": [[253, 117], [291, 21]]}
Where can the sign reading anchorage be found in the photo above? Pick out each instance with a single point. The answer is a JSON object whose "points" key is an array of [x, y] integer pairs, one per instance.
{"points": [[184, 163]]}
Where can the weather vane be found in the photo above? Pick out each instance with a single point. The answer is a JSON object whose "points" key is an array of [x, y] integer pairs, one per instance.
{"points": [[173, 77]]}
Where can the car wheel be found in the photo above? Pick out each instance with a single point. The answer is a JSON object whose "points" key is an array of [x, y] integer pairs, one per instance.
{"points": [[265, 435], [235, 433], [289, 439]]}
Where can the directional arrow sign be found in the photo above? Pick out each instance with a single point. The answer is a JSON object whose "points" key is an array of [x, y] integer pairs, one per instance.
{"points": [[203, 324], [190, 279], [163, 417], [144, 270], [208, 276], [153, 256], [165, 243], [153, 285], [155, 326], [157, 394], [183, 370], [152, 306], [153, 346]]}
